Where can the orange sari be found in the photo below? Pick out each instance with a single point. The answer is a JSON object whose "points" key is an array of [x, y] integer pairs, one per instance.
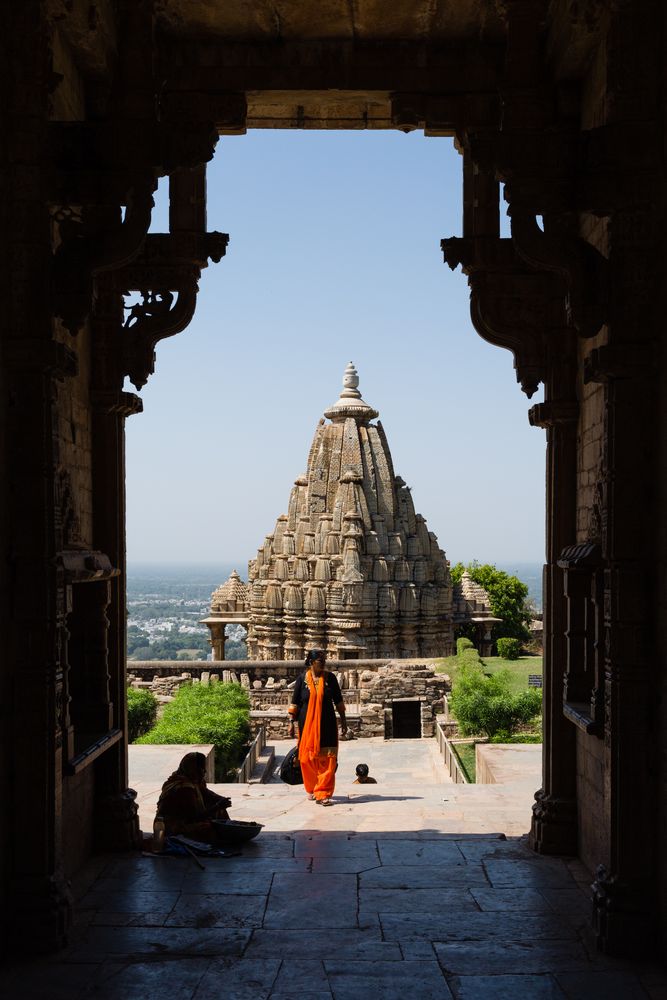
{"points": [[318, 766]]}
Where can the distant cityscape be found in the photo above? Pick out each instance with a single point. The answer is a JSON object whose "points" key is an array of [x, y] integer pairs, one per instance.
{"points": [[165, 604]]}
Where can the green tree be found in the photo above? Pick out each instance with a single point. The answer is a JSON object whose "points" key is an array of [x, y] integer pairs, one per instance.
{"points": [[507, 597], [483, 704]]}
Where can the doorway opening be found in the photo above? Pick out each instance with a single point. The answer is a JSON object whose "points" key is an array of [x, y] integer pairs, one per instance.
{"points": [[406, 720]]}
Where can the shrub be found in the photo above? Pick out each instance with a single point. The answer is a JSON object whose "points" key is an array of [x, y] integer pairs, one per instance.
{"points": [[486, 705], [463, 644], [216, 713], [509, 649], [142, 708]]}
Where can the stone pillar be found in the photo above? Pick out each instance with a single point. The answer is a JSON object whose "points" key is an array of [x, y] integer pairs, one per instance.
{"points": [[37, 902], [117, 815], [554, 823], [626, 887]]}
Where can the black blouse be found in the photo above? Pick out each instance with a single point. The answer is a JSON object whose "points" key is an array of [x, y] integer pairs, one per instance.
{"points": [[332, 696]]}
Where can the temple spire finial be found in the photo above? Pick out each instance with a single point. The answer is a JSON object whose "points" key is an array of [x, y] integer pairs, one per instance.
{"points": [[350, 403], [350, 383]]}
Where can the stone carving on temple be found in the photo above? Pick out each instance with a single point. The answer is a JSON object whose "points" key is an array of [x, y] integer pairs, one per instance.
{"points": [[351, 568]]}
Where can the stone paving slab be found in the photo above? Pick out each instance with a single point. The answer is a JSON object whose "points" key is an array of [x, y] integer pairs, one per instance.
{"points": [[302, 975], [302, 995], [99, 943], [416, 888], [506, 988], [499, 956], [511, 900], [601, 985], [323, 902], [355, 944], [414, 902], [413, 876], [472, 926], [391, 981], [217, 910], [244, 980], [175, 979]]}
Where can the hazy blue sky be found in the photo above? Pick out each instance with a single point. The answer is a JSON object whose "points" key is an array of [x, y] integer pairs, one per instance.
{"points": [[334, 256]]}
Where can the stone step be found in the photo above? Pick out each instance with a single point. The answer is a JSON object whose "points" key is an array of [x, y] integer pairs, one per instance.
{"points": [[264, 766]]}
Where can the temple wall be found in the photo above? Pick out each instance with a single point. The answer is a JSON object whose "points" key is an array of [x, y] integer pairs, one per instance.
{"points": [[78, 819], [74, 420], [591, 803], [592, 835]]}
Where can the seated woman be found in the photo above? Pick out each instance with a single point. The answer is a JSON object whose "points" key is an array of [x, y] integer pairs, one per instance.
{"points": [[187, 806]]}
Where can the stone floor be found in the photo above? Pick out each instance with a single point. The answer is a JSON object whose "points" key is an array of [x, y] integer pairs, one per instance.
{"points": [[414, 887]]}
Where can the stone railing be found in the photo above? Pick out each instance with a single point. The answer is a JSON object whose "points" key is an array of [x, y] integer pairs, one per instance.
{"points": [[451, 760], [248, 766], [371, 689], [245, 672]]}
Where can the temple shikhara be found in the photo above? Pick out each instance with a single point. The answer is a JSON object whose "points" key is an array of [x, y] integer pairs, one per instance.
{"points": [[351, 568]]}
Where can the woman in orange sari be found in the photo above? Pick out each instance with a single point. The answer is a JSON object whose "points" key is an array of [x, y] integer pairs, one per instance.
{"points": [[317, 697]]}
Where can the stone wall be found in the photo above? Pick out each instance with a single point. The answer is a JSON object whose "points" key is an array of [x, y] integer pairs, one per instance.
{"points": [[369, 690]]}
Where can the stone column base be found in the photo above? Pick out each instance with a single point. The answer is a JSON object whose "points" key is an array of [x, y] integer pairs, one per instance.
{"points": [[554, 825], [623, 921], [117, 822], [41, 909]]}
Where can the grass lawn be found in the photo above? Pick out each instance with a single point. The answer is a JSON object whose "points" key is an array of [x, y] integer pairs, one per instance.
{"points": [[519, 669], [466, 755], [446, 665]]}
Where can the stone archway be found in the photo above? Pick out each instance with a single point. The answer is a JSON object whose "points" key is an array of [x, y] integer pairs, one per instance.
{"points": [[99, 104]]}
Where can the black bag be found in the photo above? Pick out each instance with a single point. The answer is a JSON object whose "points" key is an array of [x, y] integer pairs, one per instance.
{"points": [[290, 769]]}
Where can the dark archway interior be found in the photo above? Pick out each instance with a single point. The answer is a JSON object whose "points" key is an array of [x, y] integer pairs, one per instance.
{"points": [[560, 102], [406, 720]]}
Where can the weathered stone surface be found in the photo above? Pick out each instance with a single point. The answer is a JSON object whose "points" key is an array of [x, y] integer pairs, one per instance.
{"points": [[350, 568]]}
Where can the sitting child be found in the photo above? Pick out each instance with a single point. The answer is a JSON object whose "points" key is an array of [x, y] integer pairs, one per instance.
{"points": [[363, 777]]}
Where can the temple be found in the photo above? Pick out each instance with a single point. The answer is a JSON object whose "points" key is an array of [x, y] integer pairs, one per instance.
{"points": [[557, 107], [351, 568]]}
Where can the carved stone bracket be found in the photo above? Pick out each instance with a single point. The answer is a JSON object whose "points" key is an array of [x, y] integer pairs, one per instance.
{"points": [[124, 403], [554, 413], [101, 166], [166, 274], [534, 150], [87, 249], [511, 305], [582, 267]]}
